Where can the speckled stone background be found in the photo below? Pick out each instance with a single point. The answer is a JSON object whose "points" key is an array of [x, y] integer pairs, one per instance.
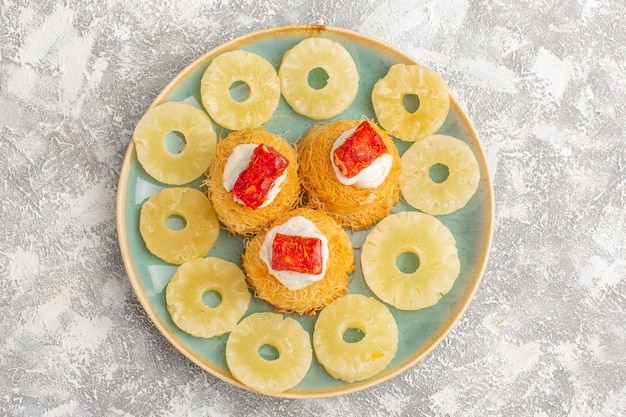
{"points": [[543, 81]]}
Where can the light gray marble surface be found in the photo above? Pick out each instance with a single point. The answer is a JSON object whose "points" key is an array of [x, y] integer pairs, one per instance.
{"points": [[544, 83]]}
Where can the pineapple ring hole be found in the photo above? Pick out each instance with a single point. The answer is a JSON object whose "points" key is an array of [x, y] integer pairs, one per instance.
{"points": [[411, 102], [175, 142], [211, 298], [239, 91], [408, 262], [268, 352], [439, 173], [176, 222], [317, 78], [353, 335]]}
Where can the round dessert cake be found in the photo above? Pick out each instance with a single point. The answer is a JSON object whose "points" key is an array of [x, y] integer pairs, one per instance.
{"points": [[299, 290], [233, 161], [358, 201]]}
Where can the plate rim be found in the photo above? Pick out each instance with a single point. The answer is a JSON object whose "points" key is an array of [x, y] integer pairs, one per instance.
{"points": [[129, 263]]}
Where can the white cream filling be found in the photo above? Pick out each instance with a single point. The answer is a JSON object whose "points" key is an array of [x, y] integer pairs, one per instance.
{"points": [[371, 176], [300, 226], [239, 160]]}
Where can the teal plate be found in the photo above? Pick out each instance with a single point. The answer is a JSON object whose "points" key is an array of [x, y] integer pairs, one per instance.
{"points": [[420, 331]]}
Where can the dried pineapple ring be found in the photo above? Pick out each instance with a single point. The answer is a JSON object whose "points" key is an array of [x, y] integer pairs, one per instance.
{"points": [[341, 87], [197, 236], [449, 195], [269, 376], [195, 278], [422, 235], [150, 142], [253, 70], [355, 361], [388, 99]]}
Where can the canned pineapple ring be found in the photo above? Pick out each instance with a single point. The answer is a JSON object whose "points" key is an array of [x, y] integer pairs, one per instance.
{"points": [[256, 73], [176, 246], [197, 153], [193, 279], [355, 360], [451, 191], [273, 375], [323, 101], [419, 235], [388, 97]]}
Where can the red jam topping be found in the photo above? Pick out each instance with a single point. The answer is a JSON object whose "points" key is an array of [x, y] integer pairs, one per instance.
{"points": [[254, 182], [297, 254], [359, 150]]}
